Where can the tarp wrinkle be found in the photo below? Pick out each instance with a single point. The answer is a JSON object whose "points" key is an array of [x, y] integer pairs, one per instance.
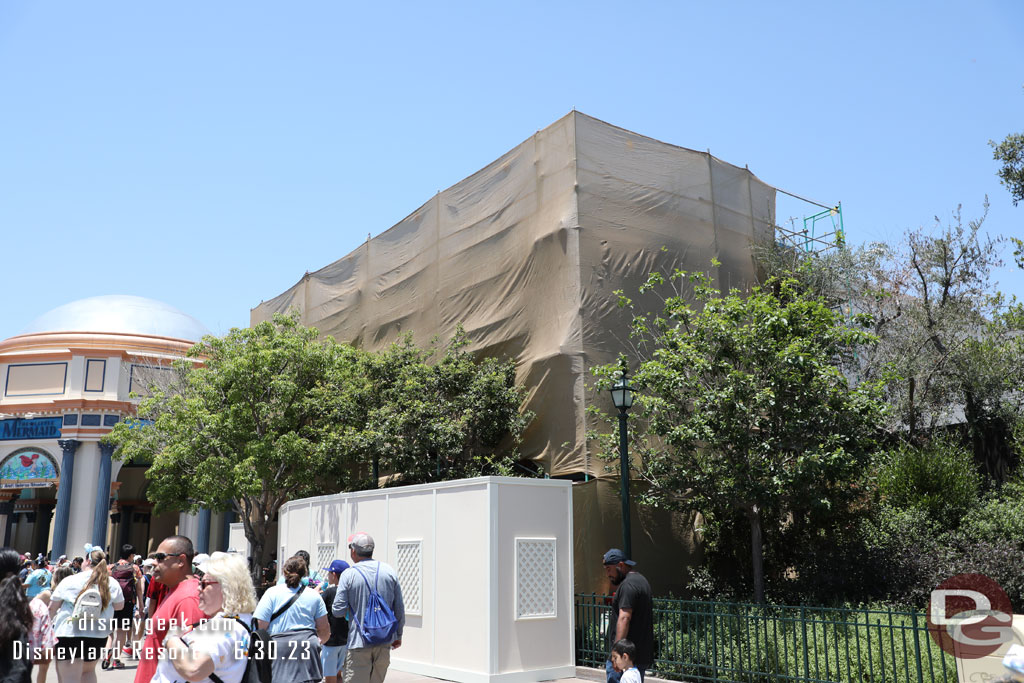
{"points": [[527, 253]]}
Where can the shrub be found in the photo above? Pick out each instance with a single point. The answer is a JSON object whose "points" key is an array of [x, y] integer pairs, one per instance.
{"points": [[939, 479], [901, 548], [1000, 520]]}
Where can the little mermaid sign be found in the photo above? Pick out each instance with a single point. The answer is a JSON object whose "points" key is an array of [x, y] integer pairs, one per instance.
{"points": [[28, 468]]}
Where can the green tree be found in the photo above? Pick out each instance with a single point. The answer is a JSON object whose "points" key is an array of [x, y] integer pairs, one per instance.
{"points": [[952, 337], [454, 418], [744, 407], [942, 325], [263, 419], [1010, 153]]}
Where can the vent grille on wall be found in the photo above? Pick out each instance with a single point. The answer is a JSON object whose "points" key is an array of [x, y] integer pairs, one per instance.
{"points": [[535, 577], [409, 567], [325, 554]]}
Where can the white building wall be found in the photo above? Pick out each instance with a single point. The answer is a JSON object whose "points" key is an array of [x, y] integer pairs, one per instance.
{"points": [[112, 381], [236, 540], [461, 620], [526, 512], [75, 378], [462, 623]]}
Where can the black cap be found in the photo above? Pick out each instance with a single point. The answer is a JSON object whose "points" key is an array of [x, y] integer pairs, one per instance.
{"points": [[614, 556]]}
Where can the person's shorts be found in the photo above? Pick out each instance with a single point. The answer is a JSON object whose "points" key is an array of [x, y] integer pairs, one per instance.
{"points": [[122, 618], [333, 658], [86, 649]]}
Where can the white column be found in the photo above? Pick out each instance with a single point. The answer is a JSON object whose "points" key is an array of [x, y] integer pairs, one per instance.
{"points": [[83, 500], [188, 525]]}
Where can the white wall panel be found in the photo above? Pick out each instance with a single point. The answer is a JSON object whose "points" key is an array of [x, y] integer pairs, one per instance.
{"points": [[454, 544]]}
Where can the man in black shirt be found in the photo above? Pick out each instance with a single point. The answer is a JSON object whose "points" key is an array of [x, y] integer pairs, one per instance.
{"points": [[632, 612], [333, 652]]}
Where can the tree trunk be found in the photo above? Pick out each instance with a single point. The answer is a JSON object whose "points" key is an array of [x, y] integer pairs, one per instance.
{"points": [[990, 437], [912, 411], [256, 531], [756, 552]]}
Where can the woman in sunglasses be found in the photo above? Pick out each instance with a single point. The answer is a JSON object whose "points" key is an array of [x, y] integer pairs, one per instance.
{"points": [[216, 649]]}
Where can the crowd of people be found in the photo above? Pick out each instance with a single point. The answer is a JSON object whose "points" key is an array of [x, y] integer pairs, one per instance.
{"points": [[196, 617]]}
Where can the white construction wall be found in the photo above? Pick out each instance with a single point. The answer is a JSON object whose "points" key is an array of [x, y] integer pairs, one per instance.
{"points": [[237, 542], [485, 566]]}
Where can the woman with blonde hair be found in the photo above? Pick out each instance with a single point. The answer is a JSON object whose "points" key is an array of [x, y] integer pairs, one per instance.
{"points": [[214, 650], [82, 608], [59, 574]]}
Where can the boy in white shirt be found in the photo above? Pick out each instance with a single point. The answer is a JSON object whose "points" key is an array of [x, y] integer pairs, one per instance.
{"points": [[623, 653]]}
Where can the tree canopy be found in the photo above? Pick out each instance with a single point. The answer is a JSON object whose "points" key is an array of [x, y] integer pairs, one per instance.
{"points": [[256, 424], [744, 407], [1010, 153], [274, 413], [423, 421], [943, 327]]}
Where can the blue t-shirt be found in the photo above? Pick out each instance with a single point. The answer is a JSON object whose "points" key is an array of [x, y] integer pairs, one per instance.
{"points": [[38, 580], [302, 614]]}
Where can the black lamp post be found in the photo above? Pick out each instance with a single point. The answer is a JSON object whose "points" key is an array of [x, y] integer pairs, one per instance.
{"points": [[622, 397]]}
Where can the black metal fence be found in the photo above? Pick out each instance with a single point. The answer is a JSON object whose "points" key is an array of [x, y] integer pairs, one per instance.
{"points": [[746, 643]]}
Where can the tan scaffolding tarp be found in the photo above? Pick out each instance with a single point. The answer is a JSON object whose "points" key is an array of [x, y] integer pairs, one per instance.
{"points": [[526, 254]]}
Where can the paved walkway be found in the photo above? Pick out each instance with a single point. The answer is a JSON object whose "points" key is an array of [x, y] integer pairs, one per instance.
{"points": [[127, 675]]}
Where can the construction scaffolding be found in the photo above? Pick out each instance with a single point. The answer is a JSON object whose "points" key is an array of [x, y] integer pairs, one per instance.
{"points": [[819, 233]]}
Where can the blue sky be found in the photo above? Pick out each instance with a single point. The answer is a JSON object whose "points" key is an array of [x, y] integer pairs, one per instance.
{"points": [[208, 154]]}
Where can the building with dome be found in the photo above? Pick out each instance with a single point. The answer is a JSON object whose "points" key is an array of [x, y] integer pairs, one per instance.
{"points": [[67, 379]]}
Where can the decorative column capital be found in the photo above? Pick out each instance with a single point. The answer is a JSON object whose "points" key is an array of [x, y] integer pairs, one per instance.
{"points": [[69, 446], [107, 449]]}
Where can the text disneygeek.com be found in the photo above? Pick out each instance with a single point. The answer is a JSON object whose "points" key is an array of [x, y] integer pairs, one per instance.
{"points": [[289, 649]]}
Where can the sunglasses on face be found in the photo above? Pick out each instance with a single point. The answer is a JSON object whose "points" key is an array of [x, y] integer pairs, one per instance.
{"points": [[206, 582], [160, 557]]}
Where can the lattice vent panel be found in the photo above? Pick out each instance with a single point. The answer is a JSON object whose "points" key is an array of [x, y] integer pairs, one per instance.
{"points": [[535, 577], [325, 554], [409, 567]]}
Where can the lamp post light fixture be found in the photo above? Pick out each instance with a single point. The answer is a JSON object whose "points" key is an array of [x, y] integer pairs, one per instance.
{"points": [[622, 398]]}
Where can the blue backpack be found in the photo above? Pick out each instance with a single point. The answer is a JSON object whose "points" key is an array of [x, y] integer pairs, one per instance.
{"points": [[378, 620]]}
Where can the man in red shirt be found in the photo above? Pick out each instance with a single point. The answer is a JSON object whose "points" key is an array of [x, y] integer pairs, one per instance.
{"points": [[155, 591], [179, 609]]}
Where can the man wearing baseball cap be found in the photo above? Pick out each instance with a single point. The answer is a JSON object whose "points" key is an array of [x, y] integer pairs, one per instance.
{"points": [[366, 662], [332, 654], [632, 612]]}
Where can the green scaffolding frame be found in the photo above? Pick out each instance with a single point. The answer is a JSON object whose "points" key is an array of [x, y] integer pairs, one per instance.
{"points": [[815, 238]]}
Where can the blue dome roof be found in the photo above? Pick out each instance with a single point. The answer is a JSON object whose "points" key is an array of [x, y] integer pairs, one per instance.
{"points": [[119, 314]]}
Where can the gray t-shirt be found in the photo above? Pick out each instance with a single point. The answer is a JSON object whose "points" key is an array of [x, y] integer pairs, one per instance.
{"points": [[353, 594]]}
